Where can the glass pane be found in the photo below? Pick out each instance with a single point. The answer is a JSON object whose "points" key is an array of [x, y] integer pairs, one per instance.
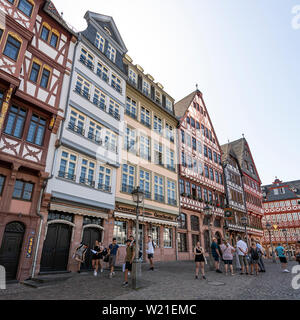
{"points": [[18, 189], [19, 127], [31, 132]]}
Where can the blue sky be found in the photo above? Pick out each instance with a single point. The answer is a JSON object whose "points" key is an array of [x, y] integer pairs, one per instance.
{"points": [[244, 55]]}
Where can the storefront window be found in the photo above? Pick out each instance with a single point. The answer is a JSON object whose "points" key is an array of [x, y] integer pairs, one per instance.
{"points": [[155, 232], [182, 243], [168, 237], [120, 232]]}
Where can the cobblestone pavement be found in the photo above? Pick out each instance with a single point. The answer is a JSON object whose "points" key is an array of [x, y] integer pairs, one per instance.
{"points": [[170, 281]]}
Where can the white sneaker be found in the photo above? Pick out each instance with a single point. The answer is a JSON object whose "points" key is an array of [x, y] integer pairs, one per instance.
{"points": [[102, 270], [286, 271], [128, 274], [110, 275], [95, 273], [113, 273]]}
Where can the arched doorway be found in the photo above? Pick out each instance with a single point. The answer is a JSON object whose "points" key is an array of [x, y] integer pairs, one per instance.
{"points": [[56, 248], [90, 235], [11, 248]]}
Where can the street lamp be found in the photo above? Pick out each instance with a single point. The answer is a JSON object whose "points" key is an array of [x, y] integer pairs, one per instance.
{"points": [[269, 228], [138, 198], [244, 222], [284, 231], [209, 213]]}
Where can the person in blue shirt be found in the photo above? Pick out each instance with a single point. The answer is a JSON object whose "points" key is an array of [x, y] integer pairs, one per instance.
{"points": [[215, 252], [282, 257], [113, 251]]}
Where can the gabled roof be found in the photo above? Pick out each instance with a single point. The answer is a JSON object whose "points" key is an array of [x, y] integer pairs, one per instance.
{"points": [[181, 106], [108, 22], [228, 151], [291, 189], [239, 147]]}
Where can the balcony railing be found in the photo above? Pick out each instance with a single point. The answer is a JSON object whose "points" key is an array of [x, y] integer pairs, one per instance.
{"points": [[159, 198], [104, 187], [102, 75], [67, 175], [87, 182], [114, 114], [86, 62], [83, 93], [127, 188], [76, 129]]}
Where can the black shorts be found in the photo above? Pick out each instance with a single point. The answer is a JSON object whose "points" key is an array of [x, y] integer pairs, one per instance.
{"points": [[200, 258], [228, 262], [128, 266], [283, 259], [96, 257], [150, 256]]}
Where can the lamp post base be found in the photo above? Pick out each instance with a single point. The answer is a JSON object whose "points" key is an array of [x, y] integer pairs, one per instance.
{"points": [[136, 274]]}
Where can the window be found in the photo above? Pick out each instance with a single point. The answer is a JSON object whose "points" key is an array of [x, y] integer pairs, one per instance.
{"points": [[87, 173], [158, 153], [182, 221], [169, 105], [215, 157], [99, 43], [130, 140], [195, 223], [45, 33], [209, 154], [145, 117], [120, 232], [193, 123], [183, 159], [128, 178], [145, 183], [168, 238], [45, 78], [187, 188], [26, 7], [182, 137], [146, 88], [195, 240], [35, 70], [110, 141], [111, 53], [102, 72], [87, 59], [23, 190], [159, 188], [205, 195], [172, 193], [200, 168], [116, 83], [1, 33], [114, 109], [132, 77], [155, 233], [99, 99], [206, 171], [188, 140], [181, 186], [36, 130], [67, 166], [169, 132], [83, 87], [157, 97], [194, 142], [157, 124], [199, 192], [199, 147], [2, 182], [95, 132], [131, 108], [205, 151], [53, 40], [77, 121], [12, 48], [189, 162], [170, 159], [182, 242], [15, 121], [145, 148], [211, 174]]}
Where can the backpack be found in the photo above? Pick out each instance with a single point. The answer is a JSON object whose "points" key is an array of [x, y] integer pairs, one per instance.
{"points": [[254, 254]]}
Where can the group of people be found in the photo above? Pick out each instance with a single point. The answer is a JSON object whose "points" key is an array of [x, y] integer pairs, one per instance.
{"points": [[111, 254], [249, 260]]}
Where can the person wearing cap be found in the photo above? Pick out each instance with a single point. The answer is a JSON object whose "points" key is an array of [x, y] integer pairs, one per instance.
{"points": [[130, 254]]}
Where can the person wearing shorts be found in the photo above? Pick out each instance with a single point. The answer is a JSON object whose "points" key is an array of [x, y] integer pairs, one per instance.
{"points": [[283, 260], [113, 251], [242, 250], [216, 255], [254, 258], [199, 260], [130, 254], [227, 253], [150, 252]]}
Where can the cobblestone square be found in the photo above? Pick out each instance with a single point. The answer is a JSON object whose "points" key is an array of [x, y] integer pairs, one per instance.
{"points": [[170, 281]]}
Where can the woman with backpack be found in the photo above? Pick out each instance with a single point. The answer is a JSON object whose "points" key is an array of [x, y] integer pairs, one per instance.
{"points": [[254, 258]]}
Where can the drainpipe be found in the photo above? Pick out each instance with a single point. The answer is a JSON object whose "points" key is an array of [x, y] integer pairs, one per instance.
{"points": [[53, 162]]}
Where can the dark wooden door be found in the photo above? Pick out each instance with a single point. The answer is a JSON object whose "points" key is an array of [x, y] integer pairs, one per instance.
{"points": [[56, 248], [90, 235], [11, 249]]}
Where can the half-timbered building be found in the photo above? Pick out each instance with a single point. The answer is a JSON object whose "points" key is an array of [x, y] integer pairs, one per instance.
{"points": [[35, 64], [201, 176]]}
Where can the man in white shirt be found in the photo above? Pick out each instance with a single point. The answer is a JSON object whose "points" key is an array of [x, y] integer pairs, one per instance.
{"points": [[150, 252], [242, 250]]}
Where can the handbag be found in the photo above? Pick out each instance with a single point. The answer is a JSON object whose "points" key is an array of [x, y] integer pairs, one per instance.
{"points": [[106, 258]]}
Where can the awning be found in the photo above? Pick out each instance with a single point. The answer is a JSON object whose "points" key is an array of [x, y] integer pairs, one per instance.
{"points": [[146, 219], [79, 211]]}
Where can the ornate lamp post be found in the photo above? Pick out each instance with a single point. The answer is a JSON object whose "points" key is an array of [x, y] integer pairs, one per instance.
{"points": [[284, 231], [244, 222], [269, 228], [138, 198], [209, 213]]}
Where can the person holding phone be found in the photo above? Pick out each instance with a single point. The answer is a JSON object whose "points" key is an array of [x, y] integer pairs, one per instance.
{"points": [[199, 260]]}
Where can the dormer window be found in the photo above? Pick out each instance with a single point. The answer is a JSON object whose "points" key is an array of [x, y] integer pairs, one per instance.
{"points": [[157, 96], [146, 88], [100, 41], [111, 53], [169, 105], [132, 77]]}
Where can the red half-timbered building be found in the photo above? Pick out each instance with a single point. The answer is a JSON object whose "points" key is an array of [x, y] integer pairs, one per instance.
{"points": [[201, 176], [35, 65]]}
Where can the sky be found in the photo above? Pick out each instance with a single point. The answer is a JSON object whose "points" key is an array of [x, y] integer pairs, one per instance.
{"points": [[244, 55]]}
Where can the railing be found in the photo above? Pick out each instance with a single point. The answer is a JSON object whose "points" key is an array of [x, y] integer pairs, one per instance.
{"points": [[114, 114], [76, 129], [67, 175], [82, 92], [131, 114], [159, 198], [87, 182], [104, 187], [86, 62], [127, 189]]}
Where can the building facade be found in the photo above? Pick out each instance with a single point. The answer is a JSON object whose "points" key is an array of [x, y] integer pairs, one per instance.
{"points": [[201, 176], [34, 58], [235, 194], [252, 188], [282, 210], [149, 160], [87, 149]]}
